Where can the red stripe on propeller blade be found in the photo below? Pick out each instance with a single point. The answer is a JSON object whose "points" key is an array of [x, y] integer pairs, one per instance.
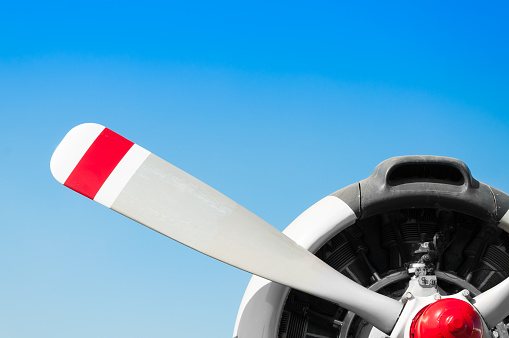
{"points": [[98, 162]]}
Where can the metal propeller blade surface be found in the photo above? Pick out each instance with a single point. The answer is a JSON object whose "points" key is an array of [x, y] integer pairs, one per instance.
{"points": [[119, 174], [493, 304]]}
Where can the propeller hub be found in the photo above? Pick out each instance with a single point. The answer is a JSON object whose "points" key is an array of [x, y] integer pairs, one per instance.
{"points": [[457, 324], [448, 318]]}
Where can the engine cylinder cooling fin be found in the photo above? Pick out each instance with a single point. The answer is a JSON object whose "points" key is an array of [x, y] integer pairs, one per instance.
{"points": [[298, 327], [305, 316], [420, 225], [389, 242], [340, 255], [403, 229], [487, 270]]}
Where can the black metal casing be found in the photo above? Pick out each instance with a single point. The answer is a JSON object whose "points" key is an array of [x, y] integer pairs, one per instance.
{"points": [[424, 182]]}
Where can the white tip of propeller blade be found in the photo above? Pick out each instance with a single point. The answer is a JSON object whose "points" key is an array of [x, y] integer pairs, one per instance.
{"points": [[493, 304], [72, 148]]}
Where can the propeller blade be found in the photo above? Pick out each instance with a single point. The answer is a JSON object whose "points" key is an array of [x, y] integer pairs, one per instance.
{"points": [[119, 174], [493, 304]]}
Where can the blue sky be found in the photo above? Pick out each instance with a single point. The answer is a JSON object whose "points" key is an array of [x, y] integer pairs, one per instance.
{"points": [[274, 104]]}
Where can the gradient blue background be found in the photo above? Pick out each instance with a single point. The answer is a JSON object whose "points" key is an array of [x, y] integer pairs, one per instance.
{"points": [[275, 104]]}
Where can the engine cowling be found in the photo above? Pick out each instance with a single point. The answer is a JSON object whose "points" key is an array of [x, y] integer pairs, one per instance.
{"points": [[406, 201]]}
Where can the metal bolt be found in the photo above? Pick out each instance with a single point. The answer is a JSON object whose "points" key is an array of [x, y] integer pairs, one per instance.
{"points": [[437, 296], [408, 295], [465, 293]]}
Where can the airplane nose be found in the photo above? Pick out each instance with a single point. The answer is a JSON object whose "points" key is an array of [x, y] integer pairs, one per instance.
{"points": [[448, 318]]}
